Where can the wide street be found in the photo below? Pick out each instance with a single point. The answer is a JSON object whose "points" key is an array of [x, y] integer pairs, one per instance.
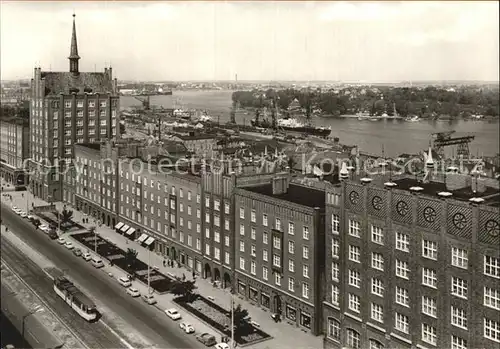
{"points": [[149, 321]]}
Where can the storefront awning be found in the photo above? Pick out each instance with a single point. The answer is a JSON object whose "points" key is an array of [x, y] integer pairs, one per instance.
{"points": [[130, 231], [124, 228], [142, 238], [149, 241], [119, 225]]}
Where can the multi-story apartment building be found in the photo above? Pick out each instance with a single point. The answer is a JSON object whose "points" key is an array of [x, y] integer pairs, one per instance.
{"points": [[68, 108], [412, 264], [14, 150], [279, 249]]}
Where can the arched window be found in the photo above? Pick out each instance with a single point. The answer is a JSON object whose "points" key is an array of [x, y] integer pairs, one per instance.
{"points": [[333, 330], [375, 344], [353, 339]]}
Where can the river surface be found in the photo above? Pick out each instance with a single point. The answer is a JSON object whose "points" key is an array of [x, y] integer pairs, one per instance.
{"points": [[395, 136]]}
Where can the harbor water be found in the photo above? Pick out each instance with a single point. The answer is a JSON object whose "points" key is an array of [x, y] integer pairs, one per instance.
{"points": [[395, 136]]}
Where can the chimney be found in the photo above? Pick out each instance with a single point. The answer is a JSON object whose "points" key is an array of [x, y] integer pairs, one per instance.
{"points": [[280, 185], [344, 172]]}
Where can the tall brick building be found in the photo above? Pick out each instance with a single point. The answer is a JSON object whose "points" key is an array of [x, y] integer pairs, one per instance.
{"points": [[14, 150], [412, 264], [67, 108]]}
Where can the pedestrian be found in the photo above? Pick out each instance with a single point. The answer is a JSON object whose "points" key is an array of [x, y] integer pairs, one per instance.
{"points": [[194, 275], [164, 263], [183, 277]]}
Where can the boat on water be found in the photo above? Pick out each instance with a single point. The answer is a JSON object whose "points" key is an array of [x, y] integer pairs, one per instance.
{"points": [[413, 118], [293, 125], [79, 302]]}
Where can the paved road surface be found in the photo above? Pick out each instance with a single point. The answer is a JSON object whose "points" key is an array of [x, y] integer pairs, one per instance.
{"points": [[150, 322]]}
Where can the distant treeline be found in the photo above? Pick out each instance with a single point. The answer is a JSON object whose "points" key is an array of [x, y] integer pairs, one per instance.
{"points": [[426, 102]]}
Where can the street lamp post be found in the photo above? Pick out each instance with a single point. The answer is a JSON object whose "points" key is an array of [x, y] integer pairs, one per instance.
{"points": [[149, 268], [35, 310]]}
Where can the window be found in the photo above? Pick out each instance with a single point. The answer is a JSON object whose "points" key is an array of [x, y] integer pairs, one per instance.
{"points": [[492, 298], [429, 249], [458, 343], [253, 250], [354, 253], [377, 235], [335, 271], [374, 344], [458, 317], [429, 306], [291, 247], [333, 331], [277, 224], [429, 334], [353, 339], [402, 323], [354, 302], [335, 248], [402, 296], [378, 287], [291, 265], [226, 257], [242, 263], [305, 271], [305, 252], [291, 284], [354, 229], [252, 216], [242, 212], [264, 255], [335, 224], [242, 246], [492, 330], [291, 228], [305, 233], [354, 278], [305, 290], [102, 104], [242, 229], [276, 260], [459, 257], [402, 269], [377, 261], [429, 277], [276, 242], [459, 287], [252, 267], [264, 220], [67, 104], [264, 273], [377, 312], [226, 240], [264, 238], [335, 294], [492, 266]]}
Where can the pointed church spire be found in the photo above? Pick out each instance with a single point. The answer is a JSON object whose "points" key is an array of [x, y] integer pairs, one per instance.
{"points": [[73, 55]]}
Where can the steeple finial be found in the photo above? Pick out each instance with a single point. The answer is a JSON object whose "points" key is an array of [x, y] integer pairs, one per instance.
{"points": [[73, 55]]}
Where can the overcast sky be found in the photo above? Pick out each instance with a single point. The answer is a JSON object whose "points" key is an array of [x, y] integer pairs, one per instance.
{"points": [[357, 41]]}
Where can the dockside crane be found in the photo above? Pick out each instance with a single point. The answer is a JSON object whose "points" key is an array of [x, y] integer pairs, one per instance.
{"points": [[145, 102], [444, 139]]}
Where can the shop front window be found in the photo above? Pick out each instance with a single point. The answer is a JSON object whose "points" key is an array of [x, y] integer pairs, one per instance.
{"points": [[305, 320], [254, 294], [241, 288], [291, 313], [265, 300]]}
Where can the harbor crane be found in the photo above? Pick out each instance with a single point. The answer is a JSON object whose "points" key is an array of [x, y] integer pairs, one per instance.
{"points": [[444, 139], [145, 102]]}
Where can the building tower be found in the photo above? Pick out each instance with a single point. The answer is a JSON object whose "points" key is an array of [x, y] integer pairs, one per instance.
{"points": [[73, 55], [429, 166]]}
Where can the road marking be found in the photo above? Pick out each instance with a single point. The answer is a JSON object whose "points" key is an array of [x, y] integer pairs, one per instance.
{"points": [[127, 344], [46, 305]]}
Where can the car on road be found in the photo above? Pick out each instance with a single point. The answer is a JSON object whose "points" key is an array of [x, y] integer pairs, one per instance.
{"points": [[173, 314], [87, 256], [188, 328], [148, 298], [23, 214], [222, 346], [31, 217], [207, 339], [134, 292], [61, 241], [69, 245], [77, 252], [14, 208], [124, 281], [44, 228]]}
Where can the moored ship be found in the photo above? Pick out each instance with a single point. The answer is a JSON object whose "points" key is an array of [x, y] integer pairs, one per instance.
{"points": [[292, 125]]}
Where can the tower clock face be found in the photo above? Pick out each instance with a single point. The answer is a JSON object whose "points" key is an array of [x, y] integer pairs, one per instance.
{"points": [[492, 227], [377, 203], [429, 214], [402, 208], [354, 197], [459, 221]]}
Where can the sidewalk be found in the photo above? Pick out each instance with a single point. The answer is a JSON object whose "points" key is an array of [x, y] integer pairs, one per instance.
{"points": [[284, 335]]}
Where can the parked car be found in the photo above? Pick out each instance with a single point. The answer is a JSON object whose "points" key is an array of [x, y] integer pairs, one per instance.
{"points": [[61, 241], [188, 328], [124, 281], [97, 262], [207, 339], [44, 227], [148, 298], [173, 314], [222, 346], [87, 256], [30, 217], [134, 292], [69, 245], [23, 214], [77, 252]]}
